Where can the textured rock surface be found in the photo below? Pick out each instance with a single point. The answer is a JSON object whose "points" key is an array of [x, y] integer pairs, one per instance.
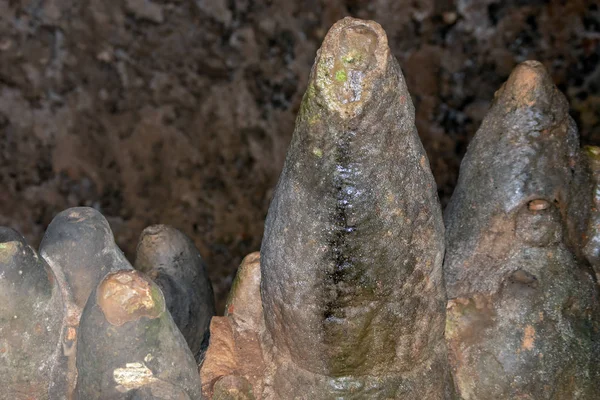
{"points": [[235, 364], [180, 112], [172, 261], [351, 281], [80, 248], [586, 208], [31, 318], [129, 346], [523, 313]]}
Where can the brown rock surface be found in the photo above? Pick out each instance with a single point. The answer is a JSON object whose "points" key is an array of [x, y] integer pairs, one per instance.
{"points": [[234, 360]]}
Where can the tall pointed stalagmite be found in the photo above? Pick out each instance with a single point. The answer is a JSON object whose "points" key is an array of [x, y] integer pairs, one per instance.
{"points": [[351, 286], [523, 312], [351, 259]]}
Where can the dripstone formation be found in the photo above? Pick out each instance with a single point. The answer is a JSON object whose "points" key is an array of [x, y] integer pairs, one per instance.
{"points": [[523, 309], [31, 319], [348, 297], [175, 265], [350, 267], [80, 323]]}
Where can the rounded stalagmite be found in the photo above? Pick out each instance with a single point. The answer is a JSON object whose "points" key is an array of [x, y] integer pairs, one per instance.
{"points": [[174, 263], [31, 318], [129, 346], [80, 248]]}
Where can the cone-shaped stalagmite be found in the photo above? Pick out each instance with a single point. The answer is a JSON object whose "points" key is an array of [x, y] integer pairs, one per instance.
{"points": [[31, 317], [523, 309], [352, 288], [129, 346], [173, 262], [80, 248]]}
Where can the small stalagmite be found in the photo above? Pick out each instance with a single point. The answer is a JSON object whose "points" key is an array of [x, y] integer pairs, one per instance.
{"points": [[174, 263], [80, 248], [129, 346], [31, 318]]}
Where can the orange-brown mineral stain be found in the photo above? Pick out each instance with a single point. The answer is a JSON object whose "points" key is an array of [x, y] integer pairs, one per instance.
{"points": [[71, 333], [528, 338], [125, 296], [523, 82], [538, 205]]}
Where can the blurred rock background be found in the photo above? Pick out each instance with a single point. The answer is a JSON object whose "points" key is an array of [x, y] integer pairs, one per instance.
{"points": [[180, 112]]}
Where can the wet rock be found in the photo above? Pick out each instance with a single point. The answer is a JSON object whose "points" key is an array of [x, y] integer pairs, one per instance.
{"points": [[129, 346], [351, 258], [523, 310], [31, 318], [174, 263], [351, 281], [80, 248]]}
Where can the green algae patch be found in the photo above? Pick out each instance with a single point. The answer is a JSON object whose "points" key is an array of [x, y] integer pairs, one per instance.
{"points": [[340, 75], [592, 152]]}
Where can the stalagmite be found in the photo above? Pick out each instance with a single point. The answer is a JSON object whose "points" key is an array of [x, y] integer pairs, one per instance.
{"points": [[129, 346], [174, 263], [31, 318], [523, 311], [80, 248], [351, 280]]}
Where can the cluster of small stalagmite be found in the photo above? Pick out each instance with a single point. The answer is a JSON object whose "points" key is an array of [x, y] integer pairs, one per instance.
{"points": [[81, 323], [357, 292]]}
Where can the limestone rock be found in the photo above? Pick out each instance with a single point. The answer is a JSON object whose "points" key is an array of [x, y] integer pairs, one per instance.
{"points": [[130, 347], [523, 311], [174, 263], [31, 318]]}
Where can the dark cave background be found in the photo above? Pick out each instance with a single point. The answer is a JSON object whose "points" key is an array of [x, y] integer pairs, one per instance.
{"points": [[180, 112]]}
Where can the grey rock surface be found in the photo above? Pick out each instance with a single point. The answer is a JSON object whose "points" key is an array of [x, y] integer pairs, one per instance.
{"points": [[523, 312], [172, 261], [129, 346], [80, 248], [31, 319]]}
